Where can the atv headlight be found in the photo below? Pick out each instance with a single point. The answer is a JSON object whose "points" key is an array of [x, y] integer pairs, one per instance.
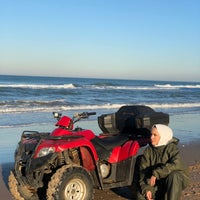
{"points": [[45, 151]]}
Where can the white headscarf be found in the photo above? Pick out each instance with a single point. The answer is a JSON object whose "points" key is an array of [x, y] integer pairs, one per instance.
{"points": [[165, 132]]}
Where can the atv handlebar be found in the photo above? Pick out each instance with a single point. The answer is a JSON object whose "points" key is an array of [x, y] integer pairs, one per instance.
{"points": [[76, 117], [84, 114]]}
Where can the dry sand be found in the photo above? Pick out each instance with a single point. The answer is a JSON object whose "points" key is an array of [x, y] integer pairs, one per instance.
{"points": [[190, 154]]}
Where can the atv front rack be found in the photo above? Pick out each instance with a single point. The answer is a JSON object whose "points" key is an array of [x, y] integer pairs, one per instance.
{"points": [[29, 135]]}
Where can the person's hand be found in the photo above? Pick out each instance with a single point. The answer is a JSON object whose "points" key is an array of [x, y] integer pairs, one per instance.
{"points": [[149, 195], [152, 181]]}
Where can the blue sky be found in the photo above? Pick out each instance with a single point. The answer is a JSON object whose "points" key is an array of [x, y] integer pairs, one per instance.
{"points": [[128, 39]]}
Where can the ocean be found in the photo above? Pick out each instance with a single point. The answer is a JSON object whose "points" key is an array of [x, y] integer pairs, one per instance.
{"points": [[28, 101]]}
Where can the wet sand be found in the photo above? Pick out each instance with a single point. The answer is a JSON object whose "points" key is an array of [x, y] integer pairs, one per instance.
{"points": [[190, 154]]}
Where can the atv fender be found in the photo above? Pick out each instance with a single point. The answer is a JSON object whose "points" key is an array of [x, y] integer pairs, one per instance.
{"points": [[87, 159]]}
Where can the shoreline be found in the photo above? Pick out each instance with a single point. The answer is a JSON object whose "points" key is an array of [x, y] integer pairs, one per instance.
{"points": [[190, 154]]}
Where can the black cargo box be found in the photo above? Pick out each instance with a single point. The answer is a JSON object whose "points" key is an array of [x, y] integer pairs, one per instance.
{"points": [[130, 118]]}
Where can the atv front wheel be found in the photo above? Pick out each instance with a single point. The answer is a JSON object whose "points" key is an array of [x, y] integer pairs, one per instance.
{"points": [[70, 183], [20, 192]]}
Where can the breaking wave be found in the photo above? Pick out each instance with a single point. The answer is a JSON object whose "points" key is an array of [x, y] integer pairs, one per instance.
{"points": [[45, 107], [99, 86], [169, 86], [39, 86]]}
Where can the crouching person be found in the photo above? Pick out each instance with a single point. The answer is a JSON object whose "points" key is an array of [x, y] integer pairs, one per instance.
{"points": [[161, 172]]}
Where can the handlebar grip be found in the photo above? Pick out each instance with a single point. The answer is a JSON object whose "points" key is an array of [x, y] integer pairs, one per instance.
{"points": [[91, 113]]}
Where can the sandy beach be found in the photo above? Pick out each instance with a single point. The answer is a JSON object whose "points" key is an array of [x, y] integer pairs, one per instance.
{"points": [[189, 147], [190, 154]]}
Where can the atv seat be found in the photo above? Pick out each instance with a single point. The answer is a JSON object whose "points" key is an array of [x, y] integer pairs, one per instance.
{"points": [[105, 145]]}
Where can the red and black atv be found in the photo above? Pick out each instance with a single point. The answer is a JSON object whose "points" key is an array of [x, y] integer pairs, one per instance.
{"points": [[68, 163]]}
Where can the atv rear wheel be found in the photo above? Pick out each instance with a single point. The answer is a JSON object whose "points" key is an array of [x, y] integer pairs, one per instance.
{"points": [[70, 183], [20, 192]]}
